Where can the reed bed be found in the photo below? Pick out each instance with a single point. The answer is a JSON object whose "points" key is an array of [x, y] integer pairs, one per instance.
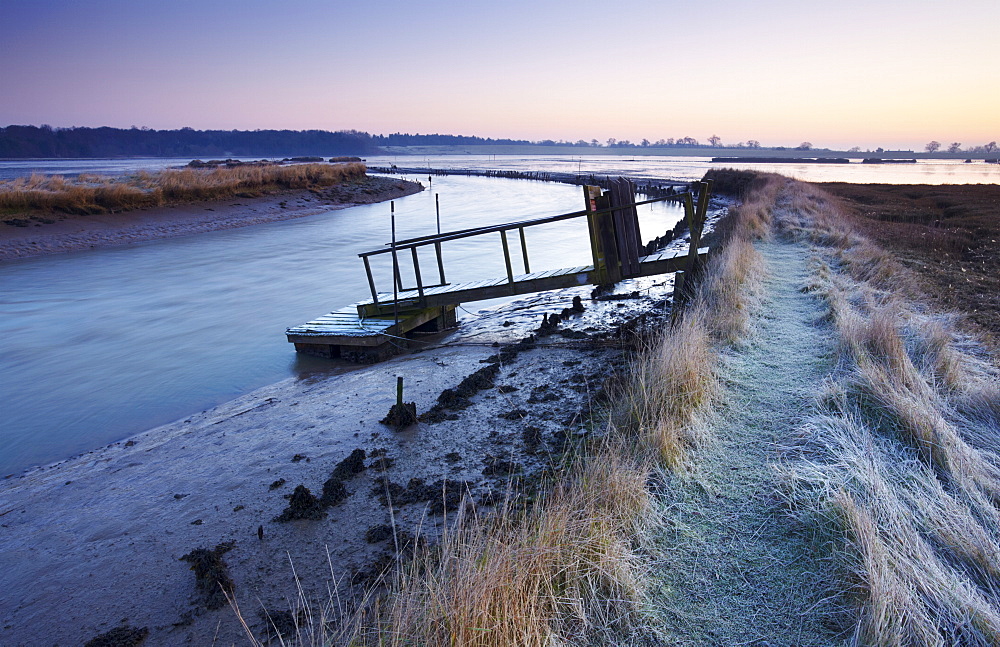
{"points": [[571, 568], [90, 194], [901, 463]]}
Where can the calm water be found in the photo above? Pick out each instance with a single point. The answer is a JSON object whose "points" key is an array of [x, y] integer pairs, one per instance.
{"points": [[693, 168], [96, 346]]}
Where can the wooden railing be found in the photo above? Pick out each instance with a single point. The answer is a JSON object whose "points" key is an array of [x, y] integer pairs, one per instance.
{"points": [[606, 216]]}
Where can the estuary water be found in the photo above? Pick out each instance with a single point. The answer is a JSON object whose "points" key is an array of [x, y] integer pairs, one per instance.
{"points": [[96, 346], [99, 345]]}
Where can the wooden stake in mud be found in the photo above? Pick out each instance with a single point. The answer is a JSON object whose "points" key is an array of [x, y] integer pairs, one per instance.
{"points": [[399, 390]]}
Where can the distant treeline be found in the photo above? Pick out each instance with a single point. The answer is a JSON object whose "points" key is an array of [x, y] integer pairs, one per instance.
{"points": [[406, 139], [45, 141]]}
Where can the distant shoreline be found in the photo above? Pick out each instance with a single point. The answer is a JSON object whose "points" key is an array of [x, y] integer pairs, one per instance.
{"points": [[79, 232]]}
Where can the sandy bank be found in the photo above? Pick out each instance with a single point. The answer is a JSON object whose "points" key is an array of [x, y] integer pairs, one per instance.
{"points": [[65, 233]]}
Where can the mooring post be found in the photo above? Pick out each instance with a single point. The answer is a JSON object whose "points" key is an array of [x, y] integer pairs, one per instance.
{"points": [[399, 390]]}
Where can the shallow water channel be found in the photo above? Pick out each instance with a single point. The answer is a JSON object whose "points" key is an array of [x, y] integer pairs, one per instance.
{"points": [[96, 346]]}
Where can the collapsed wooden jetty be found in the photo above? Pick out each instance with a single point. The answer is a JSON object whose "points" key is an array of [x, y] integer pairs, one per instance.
{"points": [[377, 328]]}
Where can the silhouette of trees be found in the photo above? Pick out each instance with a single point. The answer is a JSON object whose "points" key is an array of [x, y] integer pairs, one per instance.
{"points": [[932, 146], [45, 141], [804, 146], [955, 147], [714, 140]]}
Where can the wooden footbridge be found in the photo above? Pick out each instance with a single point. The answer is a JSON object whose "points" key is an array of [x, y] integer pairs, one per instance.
{"points": [[377, 328]]}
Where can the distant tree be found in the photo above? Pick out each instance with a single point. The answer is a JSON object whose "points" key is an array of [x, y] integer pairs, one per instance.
{"points": [[660, 142], [687, 141], [879, 150], [595, 143], [580, 142], [854, 149], [644, 143], [625, 142], [932, 146], [991, 147], [753, 143], [955, 147], [670, 141], [715, 140], [612, 141], [804, 146]]}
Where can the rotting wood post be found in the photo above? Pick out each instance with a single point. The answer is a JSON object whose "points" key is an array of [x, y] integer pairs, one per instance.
{"points": [[399, 390], [602, 236]]}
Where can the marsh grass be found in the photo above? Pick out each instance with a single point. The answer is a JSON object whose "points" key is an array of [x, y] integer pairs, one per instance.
{"points": [[91, 194], [899, 465]]}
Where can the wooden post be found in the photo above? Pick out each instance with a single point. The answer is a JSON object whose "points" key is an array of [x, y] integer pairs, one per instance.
{"points": [[602, 236], [506, 256], [524, 251], [399, 390]]}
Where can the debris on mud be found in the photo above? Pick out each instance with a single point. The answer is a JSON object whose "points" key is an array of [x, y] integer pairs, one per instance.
{"points": [[401, 415], [350, 466], [277, 484], [378, 533], [211, 574], [443, 494], [124, 636], [281, 624], [302, 504], [334, 492]]}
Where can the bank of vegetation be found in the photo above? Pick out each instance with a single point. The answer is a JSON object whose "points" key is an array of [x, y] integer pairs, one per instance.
{"points": [[89, 194], [900, 466]]}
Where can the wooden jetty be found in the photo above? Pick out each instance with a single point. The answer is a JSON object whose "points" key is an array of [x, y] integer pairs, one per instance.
{"points": [[377, 328]]}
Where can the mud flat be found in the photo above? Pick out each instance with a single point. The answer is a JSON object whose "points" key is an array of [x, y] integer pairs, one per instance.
{"points": [[135, 538], [59, 233]]}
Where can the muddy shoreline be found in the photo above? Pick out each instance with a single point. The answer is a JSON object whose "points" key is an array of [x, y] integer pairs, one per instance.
{"points": [[106, 541], [60, 233]]}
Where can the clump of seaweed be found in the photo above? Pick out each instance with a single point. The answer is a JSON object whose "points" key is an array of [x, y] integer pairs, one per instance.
{"points": [[211, 574], [302, 504]]}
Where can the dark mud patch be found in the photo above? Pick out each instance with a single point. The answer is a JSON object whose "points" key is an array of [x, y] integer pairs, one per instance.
{"points": [[401, 415], [282, 624], [276, 484], [302, 504], [442, 495], [334, 492], [124, 636], [212, 579], [350, 466], [378, 533]]}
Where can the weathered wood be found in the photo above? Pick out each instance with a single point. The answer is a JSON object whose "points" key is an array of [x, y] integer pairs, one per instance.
{"points": [[506, 257]]}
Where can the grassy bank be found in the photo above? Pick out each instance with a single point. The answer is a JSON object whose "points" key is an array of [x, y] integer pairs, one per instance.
{"points": [[899, 466], [91, 194]]}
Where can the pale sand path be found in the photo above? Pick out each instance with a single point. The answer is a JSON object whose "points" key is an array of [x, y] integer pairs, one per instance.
{"points": [[737, 569]]}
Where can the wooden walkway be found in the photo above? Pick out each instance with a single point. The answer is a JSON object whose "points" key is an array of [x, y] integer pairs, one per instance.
{"points": [[376, 328]]}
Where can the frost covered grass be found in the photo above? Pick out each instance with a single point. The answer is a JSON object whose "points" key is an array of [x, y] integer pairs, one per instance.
{"points": [[901, 463]]}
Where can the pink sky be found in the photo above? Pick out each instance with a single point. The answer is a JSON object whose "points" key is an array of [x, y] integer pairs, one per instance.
{"points": [[838, 74]]}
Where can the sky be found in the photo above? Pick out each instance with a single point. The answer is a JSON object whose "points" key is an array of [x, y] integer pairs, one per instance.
{"points": [[838, 74]]}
